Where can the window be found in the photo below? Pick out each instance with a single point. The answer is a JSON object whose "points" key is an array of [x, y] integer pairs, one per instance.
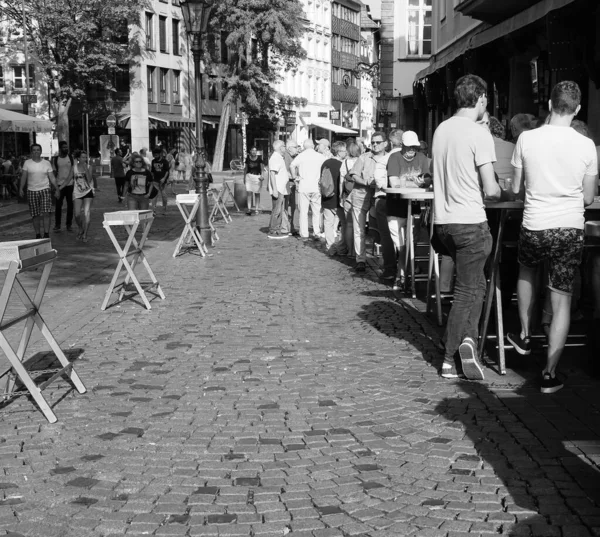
{"points": [[19, 78], [122, 79], [419, 28], [175, 29], [162, 34], [224, 48], [176, 86], [150, 84], [164, 73], [442, 9], [149, 31], [2, 86]]}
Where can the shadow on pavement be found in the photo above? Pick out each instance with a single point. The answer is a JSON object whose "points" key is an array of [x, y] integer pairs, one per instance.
{"points": [[526, 455]]}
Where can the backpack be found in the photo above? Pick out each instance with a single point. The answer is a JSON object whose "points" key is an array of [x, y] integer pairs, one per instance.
{"points": [[326, 183]]}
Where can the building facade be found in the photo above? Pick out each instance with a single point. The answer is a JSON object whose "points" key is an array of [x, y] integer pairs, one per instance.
{"points": [[521, 49], [406, 46]]}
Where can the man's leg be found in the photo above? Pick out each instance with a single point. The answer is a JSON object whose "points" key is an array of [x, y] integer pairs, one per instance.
{"points": [[559, 329], [595, 267], [293, 205], [58, 210], [526, 295], [46, 220], [303, 204], [341, 247], [329, 223], [285, 220], [470, 245], [68, 191], [315, 206], [36, 221], [388, 251], [359, 219]]}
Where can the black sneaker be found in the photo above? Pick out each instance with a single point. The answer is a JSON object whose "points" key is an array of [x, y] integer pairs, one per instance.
{"points": [[522, 346], [46, 235], [550, 384], [361, 266], [56, 229], [468, 358], [38, 236], [388, 276]]}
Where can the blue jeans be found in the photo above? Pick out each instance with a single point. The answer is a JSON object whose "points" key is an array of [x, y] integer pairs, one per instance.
{"points": [[469, 245]]}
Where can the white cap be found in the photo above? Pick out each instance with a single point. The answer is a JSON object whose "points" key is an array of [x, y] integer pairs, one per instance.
{"points": [[410, 139]]}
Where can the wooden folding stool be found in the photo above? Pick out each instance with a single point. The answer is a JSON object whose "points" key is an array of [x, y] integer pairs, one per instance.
{"points": [[190, 233], [219, 205], [18, 257], [131, 220]]}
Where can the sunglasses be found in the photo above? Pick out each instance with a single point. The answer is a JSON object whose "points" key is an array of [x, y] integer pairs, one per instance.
{"points": [[377, 143]]}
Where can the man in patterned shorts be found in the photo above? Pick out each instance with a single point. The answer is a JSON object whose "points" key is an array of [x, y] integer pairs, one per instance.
{"points": [[558, 168], [37, 175]]}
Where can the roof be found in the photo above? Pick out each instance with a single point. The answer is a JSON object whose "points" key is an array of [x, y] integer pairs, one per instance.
{"points": [[366, 22]]}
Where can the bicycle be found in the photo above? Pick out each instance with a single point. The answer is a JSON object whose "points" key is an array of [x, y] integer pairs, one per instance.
{"points": [[236, 165]]}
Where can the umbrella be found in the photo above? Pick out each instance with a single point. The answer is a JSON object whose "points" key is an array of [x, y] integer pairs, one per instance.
{"points": [[14, 122]]}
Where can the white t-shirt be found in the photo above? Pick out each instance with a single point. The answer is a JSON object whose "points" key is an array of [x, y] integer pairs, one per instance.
{"points": [[278, 167], [37, 174], [554, 161], [309, 164], [460, 147], [63, 171]]}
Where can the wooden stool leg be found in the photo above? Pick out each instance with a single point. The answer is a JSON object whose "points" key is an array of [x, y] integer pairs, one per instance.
{"points": [[500, 325]]}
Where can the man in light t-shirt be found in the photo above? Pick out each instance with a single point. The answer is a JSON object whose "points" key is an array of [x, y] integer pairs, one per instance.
{"points": [[37, 175], [306, 171], [63, 166], [463, 173], [279, 190], [558, 168]]}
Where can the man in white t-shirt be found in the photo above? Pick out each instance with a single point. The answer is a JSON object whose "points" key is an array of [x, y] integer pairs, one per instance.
{"points": [[463, 173], [306, 171], [558, 168], [63, 167], [37, 175], [279, 189]]}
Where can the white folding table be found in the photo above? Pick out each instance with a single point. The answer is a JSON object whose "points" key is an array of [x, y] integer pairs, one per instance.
{"points": [[131, 220], [188, 205], [17, 257]]}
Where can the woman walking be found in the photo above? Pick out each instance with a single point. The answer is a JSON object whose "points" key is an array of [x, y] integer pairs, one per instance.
{"points": [[253, 177], [84, 184], [117, 170], [138, 183]]}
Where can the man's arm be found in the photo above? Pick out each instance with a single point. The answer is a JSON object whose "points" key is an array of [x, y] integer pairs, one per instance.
{"points": [[589, 189], [53, 180], [518, 185], [23, 182], [356, 173], [491, 188]]}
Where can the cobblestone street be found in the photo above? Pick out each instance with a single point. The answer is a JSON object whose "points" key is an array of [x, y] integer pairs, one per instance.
{"points": [[276, 392]]}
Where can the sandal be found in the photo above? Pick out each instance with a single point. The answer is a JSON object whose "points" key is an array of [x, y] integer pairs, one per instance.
{"points": [[84, 239]]}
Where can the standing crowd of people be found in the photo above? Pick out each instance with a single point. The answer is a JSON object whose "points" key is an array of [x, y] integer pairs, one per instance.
{"points": [[552, 166]]}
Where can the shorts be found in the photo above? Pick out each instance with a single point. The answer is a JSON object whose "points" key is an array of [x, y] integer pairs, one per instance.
{"points": [[90, 194], [562, 247], [40, 201]]}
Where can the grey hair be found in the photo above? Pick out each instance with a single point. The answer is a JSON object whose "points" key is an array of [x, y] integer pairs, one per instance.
{"points": [[277, 144]]}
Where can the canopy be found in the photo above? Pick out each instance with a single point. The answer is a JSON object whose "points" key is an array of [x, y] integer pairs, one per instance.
{"points": [[14, 122], [332, 127], [162, 120]]}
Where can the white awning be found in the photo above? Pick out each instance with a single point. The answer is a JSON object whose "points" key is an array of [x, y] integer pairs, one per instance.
{"points": [[338, 129], [168, 120], [14, 122]]}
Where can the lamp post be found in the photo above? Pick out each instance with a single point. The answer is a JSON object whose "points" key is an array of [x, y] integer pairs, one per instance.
{"points": [[195, 15]]}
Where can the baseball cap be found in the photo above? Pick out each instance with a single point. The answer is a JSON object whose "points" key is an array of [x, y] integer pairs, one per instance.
{"points": [[410, 139], [324, 141]]}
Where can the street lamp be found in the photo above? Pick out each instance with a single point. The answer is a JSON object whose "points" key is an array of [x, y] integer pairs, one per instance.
{"points": [[195, 15]]}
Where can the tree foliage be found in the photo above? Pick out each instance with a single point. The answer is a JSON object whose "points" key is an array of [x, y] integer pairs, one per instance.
{"points": [[265, 38], [79, 43]]}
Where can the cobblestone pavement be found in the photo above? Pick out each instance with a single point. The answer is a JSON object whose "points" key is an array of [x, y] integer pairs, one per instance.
{"points": [[275, 392]]}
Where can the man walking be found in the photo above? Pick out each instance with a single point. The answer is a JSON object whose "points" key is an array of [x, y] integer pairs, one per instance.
{"points": [[559, 169], [63, 167], [160, 172], [306, 171], [278, 188], [363, 174], [289, 207], [463, 158], [37, 175]]}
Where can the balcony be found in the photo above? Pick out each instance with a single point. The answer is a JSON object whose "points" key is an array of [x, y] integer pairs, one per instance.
{"points": [[493, 11]]}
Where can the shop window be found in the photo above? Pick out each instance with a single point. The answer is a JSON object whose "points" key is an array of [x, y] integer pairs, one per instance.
{"points": [[162, 34], [149, 31], [176, 87], [175, 30], [163, 74], [150, 84], [419, 28]]}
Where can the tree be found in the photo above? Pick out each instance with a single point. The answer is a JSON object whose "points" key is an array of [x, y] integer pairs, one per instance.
{"points": [[264, 37], [81, 45]]}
